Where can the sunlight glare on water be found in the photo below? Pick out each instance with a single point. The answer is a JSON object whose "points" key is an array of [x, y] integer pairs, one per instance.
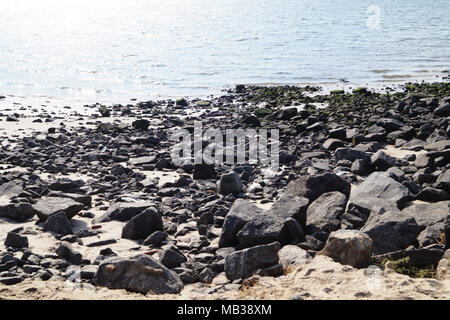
{"points": [[143, 48]]}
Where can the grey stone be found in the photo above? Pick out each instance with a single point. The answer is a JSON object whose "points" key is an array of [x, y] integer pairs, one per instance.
{"points": [[242, 263], [291, 255], [312, 187], [123, 211], [391, 231], [48, 206], [58, 223], [323, 210], [141, 274], [239, 215], [380, 185]]}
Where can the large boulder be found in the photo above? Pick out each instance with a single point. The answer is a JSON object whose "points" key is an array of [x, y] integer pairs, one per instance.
{"points": [[312, 187], [270, 226], [19, 212], [241, 212], [391, 231], [381, 185], [326, 209], [123, 211], [230, 183], [143, 225], [48, 206], [241, 264], [350, 247], [141, 274]]}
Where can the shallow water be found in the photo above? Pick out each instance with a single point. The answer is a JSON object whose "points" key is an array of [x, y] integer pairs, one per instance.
{"points": [[115, 49]]}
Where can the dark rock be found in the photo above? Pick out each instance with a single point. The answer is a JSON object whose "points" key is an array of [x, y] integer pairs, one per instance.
{"points": [[19, 212], [156, 238], [239, 215], [312, 187], [15, 240], [230, 183], [141, 124], [328, 207], [391, 231], [241, 264], [172, 258], [141, 274], [142, 225], [48, 206], [203, 171], [381, 161], [65, 251], [58, 223], [433, 195], [350, 154], [123, 211]]}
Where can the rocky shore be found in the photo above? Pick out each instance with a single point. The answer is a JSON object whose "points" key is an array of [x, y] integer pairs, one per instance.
{"points": [[92, 205]]}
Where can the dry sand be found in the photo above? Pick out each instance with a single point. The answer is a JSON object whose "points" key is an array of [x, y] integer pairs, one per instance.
{"points": [[321, 278]]}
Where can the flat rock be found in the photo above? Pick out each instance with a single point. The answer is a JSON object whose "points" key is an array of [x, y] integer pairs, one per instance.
{"points": [[381, 185], [141, 274], [312, 187], [48, 206], [123, 211]]}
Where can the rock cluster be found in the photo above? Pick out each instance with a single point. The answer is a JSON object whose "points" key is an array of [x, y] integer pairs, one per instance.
{"points": [[339, 192]]}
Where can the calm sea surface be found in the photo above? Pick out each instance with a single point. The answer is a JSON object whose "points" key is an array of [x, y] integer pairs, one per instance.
{"points": [[145, 48]]}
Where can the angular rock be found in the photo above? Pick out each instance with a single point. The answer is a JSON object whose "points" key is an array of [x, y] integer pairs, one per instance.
{"points": [[381, 161], [349, 247], [230, 183], [350, 154], [48, 206], [58, 223], [241, 264], [141, 274], [172, 258], [312, 187], [65, 251], [328, 207], [239, 215], [428, 214], [19, 212], [142, 225], [391, 231], [271, 226], [15, 240], [123, 211], [381, 185]]}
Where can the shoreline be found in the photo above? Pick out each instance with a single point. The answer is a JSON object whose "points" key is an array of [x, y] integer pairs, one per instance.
{"points": [[324, 88], [400, 143]]}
